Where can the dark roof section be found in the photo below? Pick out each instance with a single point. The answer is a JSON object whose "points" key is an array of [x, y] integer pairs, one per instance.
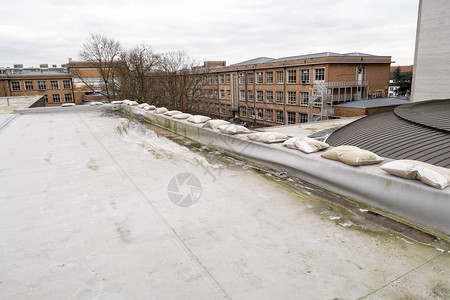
{"points": [[423, 136], [434, 113], [254, 61]]}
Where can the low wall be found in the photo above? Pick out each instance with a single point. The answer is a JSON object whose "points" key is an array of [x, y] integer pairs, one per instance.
{"points": [[409, 201]]}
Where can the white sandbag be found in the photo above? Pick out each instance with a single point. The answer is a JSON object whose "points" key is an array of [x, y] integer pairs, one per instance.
{"points": [[117, 102], [172, 112], [233, 129], [68, 105], [150, 107], [181, 116], [429, 174], [214, 124], [133, 103], [352, 155], [95, 103], [161, 110], [126, 102], [267, 137], [198, 119], [305, 144], [143, 105]]}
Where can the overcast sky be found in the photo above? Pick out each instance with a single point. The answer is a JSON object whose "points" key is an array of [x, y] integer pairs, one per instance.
{"points": [[50, 31]]}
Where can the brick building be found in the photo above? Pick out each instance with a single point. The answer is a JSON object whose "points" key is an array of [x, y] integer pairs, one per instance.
{"points": [[55, 85], [290, 90]]}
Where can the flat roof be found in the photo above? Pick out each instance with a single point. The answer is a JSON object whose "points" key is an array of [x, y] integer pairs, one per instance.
{"points": [[86, 213], [372, 103]]}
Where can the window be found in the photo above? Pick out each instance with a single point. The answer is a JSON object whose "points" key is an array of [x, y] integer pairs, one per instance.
{"points": [[221, 79], [280, 97], [29, 85], [304, 98], [280, 77], [222, 94], [56, 98], [42, 85], [54, 84], [251, 96], [242, 78], [215, 79], [303, 118], [251, 112], [305, 76], [259, 96], [243, 111], [46, 98], [66, 84], [292, 76], [259, 77], [291, 117], [259, 114], [228, 94], [291, 98], [210, 79], [251, 78], [280, 116], [68, 98], [227, 78], [15, 85], [242, 95], [269, 115], [269, 96], [319, 74], [269, 77]]}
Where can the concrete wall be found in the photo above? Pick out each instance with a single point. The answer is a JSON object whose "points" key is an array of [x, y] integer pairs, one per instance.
{"points": [[407, 200], [431, 76]]}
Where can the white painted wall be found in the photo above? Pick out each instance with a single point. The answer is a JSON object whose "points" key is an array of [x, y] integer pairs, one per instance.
{"points": [[431, 77]]}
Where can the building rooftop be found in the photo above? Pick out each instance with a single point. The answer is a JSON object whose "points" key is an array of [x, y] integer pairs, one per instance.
{"points": [[86, 212], [371, 103], [260, 60], [419, 131]]}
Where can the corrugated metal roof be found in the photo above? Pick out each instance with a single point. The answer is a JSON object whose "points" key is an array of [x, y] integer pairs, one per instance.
{"points": [[424, 137], [258, 60]]}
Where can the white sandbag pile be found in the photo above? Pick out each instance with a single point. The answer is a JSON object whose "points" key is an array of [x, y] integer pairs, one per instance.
{"points": [[161, 110], [214, 124], [352, 155], [233, 129], [267, 137], [429, 174], [95, 103], [68, 105], [117, 102], [143, 105], [305, 144], [172, 112], [129, 102], [150, 107], [198, 119], [181, 116]]}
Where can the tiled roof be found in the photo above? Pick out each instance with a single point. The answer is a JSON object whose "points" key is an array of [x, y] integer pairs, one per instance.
{"points": [[419, 131]]}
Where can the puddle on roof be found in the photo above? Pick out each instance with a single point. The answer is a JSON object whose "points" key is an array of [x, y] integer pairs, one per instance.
{"points": [[329, 206]]}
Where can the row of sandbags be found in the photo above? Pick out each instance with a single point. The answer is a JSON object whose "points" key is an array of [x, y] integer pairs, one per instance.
{"points": [[429, 174]]}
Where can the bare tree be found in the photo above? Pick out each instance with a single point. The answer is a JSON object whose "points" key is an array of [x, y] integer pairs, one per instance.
{"points": [[179, 80], [103, 54], [135, 74]]}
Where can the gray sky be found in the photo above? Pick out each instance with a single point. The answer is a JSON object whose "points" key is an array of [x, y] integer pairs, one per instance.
{"points": [[51, 31]]}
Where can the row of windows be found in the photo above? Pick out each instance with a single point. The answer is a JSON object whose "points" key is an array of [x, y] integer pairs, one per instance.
{"points": [[291, 97], [56, 98], [269, 115], [42, 85], [278, 77]]}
